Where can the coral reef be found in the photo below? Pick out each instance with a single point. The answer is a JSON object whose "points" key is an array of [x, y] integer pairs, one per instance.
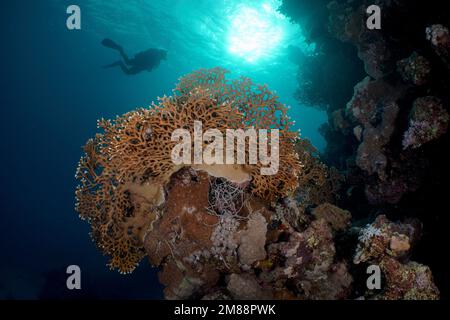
{"points": [[126, 168], [317, 183], [415, 69], [309, 265], [428, 121], [388, 245], [386, 137], [368, 128], [225, 231], [337, 218], [439, 36], [384, 238], [258, 255], [228, 232]]}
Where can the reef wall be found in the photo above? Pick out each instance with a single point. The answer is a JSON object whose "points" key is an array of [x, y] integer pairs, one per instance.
{"points": [[388, 136]]}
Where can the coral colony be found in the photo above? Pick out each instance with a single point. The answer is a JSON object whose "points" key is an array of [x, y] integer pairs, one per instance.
{"points": [[127, 172], [194, 183], [225, 230]]}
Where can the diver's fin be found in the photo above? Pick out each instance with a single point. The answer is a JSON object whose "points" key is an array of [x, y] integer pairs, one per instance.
{"points": [[111, 44], [114, 64]]}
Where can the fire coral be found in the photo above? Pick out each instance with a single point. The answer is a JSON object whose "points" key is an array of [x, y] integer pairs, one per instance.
{"points": [[125, 169]]}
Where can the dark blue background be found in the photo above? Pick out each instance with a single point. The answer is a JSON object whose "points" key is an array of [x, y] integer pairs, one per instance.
{"points": [[51, 96]]}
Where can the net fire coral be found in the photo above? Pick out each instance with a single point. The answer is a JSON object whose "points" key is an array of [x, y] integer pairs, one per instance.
{"points": [[125, 169]]}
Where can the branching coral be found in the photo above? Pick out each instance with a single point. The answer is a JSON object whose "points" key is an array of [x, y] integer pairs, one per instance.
{"points": [[260, 109], [125, 169], [317, 183], [225, 198]]}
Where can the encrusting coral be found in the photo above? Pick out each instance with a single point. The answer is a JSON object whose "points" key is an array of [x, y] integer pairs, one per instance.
{"points": [[428, 121], [317, 183], [439, 36], [389, 245], [415, 69], [125, 169]]}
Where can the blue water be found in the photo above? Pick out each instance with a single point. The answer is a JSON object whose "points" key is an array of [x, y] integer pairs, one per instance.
{"points": [[54, 90]]}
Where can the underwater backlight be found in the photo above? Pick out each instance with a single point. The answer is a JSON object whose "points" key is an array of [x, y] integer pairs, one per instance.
{"points": [[254, 31], [215, 159]]}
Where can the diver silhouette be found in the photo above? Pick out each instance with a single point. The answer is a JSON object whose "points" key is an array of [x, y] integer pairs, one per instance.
{"points": [[143, 61]]}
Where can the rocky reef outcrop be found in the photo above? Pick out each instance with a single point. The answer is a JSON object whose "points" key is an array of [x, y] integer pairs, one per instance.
{"points": [[389, 245], [388, 135]]}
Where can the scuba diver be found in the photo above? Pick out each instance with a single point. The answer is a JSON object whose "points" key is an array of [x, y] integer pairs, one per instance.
{"points": [[142, 61]]}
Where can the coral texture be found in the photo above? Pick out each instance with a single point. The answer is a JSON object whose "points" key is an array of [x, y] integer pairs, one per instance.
{"points": [[439, 36], [258, 254], [389, 244], [125, 169], [387, 122], [415, 69], [317, 183], [337, 218], [428, 121], [400, 64]]}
